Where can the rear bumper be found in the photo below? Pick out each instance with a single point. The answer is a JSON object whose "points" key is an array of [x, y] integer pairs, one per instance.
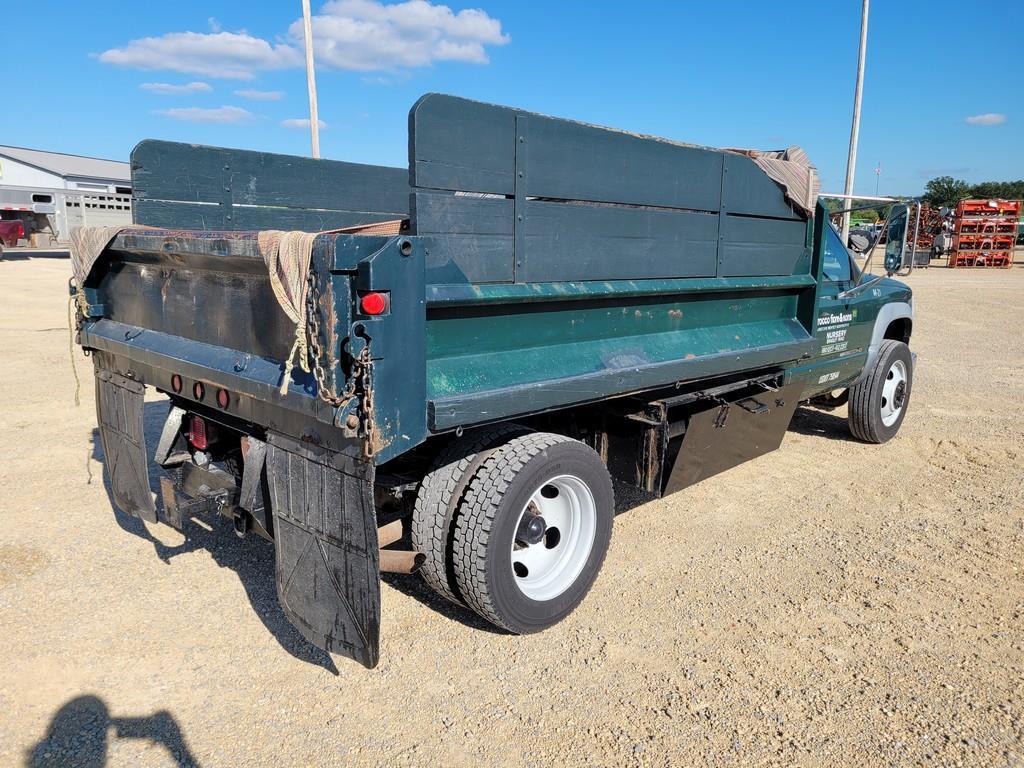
{"points": [[152, 358]]}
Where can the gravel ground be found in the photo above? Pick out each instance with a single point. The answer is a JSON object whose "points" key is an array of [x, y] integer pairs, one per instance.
{"points": [[831, 603]]}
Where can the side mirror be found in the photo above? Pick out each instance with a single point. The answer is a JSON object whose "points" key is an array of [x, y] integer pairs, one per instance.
{"points": [[896, 238]]}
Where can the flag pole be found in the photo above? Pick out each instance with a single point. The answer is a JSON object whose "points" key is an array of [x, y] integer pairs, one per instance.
{"points": [[314, 119], [851, 160]]}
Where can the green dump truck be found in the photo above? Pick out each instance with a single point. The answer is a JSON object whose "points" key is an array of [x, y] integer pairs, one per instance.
{"points": [[450, 374]]}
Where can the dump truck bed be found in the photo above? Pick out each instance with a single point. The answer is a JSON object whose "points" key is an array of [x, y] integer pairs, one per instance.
{"points": [[550, 263]]}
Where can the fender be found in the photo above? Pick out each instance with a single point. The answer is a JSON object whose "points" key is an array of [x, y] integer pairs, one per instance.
{"points": [[896, 310]]}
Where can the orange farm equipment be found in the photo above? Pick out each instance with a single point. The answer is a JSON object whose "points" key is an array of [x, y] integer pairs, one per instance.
{"points": [[984, 232]]}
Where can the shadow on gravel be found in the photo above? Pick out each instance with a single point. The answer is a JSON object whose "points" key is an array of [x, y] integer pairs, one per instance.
{"points": [[55, 253], [810, 421], [413, 586], [252, 558], [79, 730]]}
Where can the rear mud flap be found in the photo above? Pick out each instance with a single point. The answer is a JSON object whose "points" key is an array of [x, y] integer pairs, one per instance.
{"points": [[325, 536], [119, 410]]}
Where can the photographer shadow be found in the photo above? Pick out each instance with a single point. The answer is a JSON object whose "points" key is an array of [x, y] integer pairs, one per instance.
{"points": [[79, 731]]}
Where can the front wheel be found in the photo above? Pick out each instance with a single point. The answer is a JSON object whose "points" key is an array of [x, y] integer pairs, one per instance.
{"points": [[532, 531], [878, 403]]}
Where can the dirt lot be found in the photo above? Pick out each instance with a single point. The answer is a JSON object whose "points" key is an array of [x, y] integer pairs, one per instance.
{"points": [[830, 603]]}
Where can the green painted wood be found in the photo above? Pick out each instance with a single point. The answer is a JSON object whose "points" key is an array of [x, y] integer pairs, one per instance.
{"points": [[568, 242], [587, 203], [747, 190], [179, 215], [574, 161], [458, 144], [254, 190], [763, 247], [471, 237]]}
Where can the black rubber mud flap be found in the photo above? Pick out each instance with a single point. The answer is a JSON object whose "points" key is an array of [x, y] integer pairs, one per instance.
{"points": [[119, 407], [325, 535]]}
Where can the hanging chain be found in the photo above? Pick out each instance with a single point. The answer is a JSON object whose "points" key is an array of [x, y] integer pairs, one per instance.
{"points": [[360, 378]]}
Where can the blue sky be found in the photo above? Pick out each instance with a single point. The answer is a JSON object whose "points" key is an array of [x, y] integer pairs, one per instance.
{"points": [[97, 77]]}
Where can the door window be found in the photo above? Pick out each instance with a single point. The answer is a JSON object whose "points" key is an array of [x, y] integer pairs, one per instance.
{"points": [[836, 268]]}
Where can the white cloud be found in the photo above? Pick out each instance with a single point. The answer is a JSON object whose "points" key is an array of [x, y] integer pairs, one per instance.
{"points": [[172, 89], [988, 118], [359, 35], [203, 115], [253, 95], [367, 35], [232, 55], [301, 122]]}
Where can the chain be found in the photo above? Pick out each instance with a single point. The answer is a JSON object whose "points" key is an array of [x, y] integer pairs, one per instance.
{"points": [[360, 377], [316, 352]]}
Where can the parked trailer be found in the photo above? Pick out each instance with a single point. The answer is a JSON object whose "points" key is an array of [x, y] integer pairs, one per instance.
{"points": [[545, 306]]}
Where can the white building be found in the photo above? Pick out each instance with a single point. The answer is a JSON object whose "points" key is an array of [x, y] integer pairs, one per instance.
{"points": [[52, 193]]}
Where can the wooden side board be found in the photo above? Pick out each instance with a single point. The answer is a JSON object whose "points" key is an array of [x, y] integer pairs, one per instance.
{"points": [[520, 197], [187, 186]]}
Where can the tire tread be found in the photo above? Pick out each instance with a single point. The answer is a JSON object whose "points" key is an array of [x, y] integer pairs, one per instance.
{"points": [[438, 499], [473, 526]]}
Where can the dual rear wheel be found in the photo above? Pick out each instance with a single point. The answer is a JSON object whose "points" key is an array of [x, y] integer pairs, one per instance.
{"points": [[515, 525]]}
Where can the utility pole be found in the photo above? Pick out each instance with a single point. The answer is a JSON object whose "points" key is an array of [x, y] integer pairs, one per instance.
{"points": [[878, 175], [314, 119], [851, 160]]}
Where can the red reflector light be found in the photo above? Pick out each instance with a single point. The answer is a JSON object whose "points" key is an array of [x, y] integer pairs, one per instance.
{"points": [[176, 383], [198, 390], [223, 398], [374, 303], [197, 434]]}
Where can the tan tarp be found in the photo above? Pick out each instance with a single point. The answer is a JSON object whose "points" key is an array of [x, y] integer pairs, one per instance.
{"points": [[791, 169]]}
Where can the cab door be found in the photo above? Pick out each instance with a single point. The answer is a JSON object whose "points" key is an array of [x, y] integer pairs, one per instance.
{"points": [[842, 327]]}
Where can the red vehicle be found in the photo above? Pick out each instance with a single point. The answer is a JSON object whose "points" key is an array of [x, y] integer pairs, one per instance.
{"points": [[10, 232]]}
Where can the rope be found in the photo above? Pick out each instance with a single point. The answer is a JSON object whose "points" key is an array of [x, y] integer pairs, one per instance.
{"points": [[300, 348], [72, 301]]}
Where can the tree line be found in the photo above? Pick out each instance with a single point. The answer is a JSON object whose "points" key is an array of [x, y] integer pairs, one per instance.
{"points": [[947, 191], [942, 191]]}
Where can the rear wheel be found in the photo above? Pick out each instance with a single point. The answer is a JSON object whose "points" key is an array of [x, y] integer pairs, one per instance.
{"points": [[533, 531], [878, 404], [439, 496]]}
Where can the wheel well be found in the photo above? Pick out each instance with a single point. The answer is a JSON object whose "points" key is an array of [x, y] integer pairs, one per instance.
{"points": [[900, 329]]}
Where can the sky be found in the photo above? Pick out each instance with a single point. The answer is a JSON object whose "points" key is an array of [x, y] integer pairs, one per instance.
{"points": [[941, 91]]}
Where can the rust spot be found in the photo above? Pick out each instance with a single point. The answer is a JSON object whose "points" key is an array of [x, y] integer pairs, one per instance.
{"points": [[676, 313], [690, 356], [638, 314]]}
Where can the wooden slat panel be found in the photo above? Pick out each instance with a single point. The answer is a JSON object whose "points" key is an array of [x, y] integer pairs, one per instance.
{"points": [[163, 170], [471, 237], [761, 247], [457, 144], [570, 242], [574, 161], [747, 190], [260, 190], [179, 215]]}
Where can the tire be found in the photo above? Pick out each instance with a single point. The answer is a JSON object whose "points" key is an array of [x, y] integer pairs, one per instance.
{"points": [[438, 498], [569, 485], [878, 404]]}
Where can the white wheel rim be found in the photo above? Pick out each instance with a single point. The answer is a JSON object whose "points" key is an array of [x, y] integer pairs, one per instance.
{"points": [[894, 393], [546, 569]]}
